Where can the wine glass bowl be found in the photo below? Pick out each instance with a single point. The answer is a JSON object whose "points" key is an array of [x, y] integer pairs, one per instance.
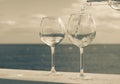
{"points": [[52, 33], [81, 31], [115, 4]]}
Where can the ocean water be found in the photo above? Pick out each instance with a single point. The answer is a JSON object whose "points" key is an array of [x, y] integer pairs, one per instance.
{"points": [[98, 58]]}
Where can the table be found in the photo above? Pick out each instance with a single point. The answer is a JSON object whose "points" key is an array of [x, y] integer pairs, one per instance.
{"points": [[64, 77]]}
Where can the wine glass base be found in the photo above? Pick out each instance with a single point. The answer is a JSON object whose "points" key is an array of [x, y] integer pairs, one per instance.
{"points": [[83, 77], [52, 74]]}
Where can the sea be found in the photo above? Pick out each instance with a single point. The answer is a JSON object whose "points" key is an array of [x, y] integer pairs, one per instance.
{"points": [[98, 58]]}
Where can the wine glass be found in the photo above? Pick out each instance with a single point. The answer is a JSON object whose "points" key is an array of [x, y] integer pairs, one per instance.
{"points": [[81, 32], [52, 32], [115, 4]]}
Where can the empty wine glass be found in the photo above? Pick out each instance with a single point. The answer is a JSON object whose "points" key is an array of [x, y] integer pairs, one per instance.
{"points": [[81, 32], [115, 4], [52, 33]]}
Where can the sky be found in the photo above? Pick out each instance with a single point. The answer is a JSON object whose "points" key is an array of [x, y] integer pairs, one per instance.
{"points": [[20, 19]]}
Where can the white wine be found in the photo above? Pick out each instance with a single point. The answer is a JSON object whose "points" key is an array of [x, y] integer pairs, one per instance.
{"points": [[82, 40], [52, 39]]}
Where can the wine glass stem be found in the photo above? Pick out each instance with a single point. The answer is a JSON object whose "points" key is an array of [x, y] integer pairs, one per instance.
{"points": [[53, 59], [81, 62]]}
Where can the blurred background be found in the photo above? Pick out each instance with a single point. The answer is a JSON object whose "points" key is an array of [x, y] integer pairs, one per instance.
{"points": [[20, 19]]}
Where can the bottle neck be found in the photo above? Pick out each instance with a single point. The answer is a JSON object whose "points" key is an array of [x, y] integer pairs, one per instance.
{"points": [[86, 8], [83, 8]]}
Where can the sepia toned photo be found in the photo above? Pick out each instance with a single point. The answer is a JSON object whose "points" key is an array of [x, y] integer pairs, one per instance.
{"points": [[59, 41]]}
